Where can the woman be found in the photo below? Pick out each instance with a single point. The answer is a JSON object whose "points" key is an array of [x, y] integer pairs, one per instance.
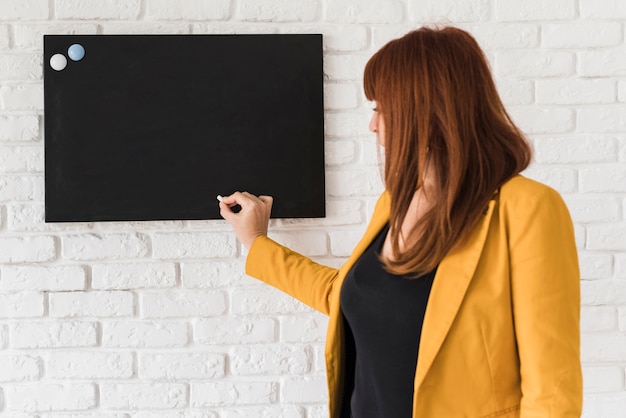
{"points": [[462, 298]]}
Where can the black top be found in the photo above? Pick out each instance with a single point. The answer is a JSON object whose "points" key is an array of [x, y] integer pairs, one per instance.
{"points": [[383, 316]]}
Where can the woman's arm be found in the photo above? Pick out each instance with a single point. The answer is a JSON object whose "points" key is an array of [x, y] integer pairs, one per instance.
{"points": [[546, 303], [293, 273], [272, 263]]}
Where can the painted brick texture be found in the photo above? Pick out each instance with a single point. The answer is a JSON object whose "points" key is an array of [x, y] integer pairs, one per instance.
{"points": [[157, 319]]}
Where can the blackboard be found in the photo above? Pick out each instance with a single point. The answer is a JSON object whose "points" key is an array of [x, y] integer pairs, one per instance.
{"points": [[153, 127]]}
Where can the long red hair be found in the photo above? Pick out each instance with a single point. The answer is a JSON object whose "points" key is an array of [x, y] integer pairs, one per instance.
{"points": [[440, 107]]}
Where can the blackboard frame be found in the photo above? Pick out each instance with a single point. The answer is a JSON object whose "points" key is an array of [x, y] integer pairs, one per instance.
{"points": [[153, 127]]}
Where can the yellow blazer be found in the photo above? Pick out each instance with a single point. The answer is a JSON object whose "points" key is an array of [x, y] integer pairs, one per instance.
{"points": [[501, 332]]}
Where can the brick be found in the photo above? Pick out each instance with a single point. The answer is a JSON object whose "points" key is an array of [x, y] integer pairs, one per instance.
{"points": [[603, 9], [269, 360], [177, 304], [382, 11], [575, 91], [18, 159], [318, 411], [232, 28], [215, 274], [620, 266], [97, 9], [283, 411], [30, 217], [603, 347], [50, 397], [4, 37], [23, 66], [343, 124], [336, 38], [309, 243], [581, 35], [603, 179], [621, 91], [592, 208], [143, 395], [543, 120], [133, 275], [339, 153], [89, 365], [534, 64], [339, 96], [52, 334], [597, 319], [602, 119], [194, 245], [491, 36], [176, 366], [606, 405], [22, 305], [234, 330], [144, 334], [573, 149], [104, 247], [606, 237], [279, 11], [143, 28], [561, 179], [595, 266], [211, 394], [95, 303], [352, 183], [16, 188], [344, 66], [18, 128], [602, 63], [511, 10], [307, 389], [22, 97], [29, 36], [24, 10], [27, 249], [621, 313], [4, 338], [197, 413], [264, 300], [603, 292], [303, 328], [342, 243], [140, 225], [187, 10], [19, 367], [603, 379], [448, 10]]}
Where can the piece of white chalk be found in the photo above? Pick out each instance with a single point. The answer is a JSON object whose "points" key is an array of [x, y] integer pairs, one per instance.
{"points": [[219, 197]]}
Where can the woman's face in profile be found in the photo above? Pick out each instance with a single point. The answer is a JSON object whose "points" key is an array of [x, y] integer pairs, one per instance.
{"points": [[377, 125]]}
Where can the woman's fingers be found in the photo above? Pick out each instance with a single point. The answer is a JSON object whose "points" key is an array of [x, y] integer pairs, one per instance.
{"points": [[253, 218]]}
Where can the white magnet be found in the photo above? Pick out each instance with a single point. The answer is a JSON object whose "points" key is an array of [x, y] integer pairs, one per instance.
{"points": [[58, 62], [76, 52]]}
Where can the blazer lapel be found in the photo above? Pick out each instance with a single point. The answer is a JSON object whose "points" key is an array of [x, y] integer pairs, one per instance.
{"points": [[452, 279]]}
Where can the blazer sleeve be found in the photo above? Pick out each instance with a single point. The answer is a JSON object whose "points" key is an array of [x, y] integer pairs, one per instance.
{"points": [[293, 273], [546, 304]]}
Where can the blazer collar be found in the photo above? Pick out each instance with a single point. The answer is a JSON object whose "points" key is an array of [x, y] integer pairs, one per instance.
{"points": [[453, 277]]}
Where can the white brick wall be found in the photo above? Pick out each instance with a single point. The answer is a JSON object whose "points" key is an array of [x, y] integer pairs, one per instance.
{"points": [[157, 319]]}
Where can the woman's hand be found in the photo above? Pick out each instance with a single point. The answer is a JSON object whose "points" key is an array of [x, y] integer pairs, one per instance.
{"points": [[253, 218]]}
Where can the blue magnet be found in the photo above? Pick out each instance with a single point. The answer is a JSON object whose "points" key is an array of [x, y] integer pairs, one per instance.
{"points": [[76, 52]]}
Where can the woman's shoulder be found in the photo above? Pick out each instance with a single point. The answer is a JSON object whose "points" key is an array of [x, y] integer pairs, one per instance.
{"points": [[522, 193]]}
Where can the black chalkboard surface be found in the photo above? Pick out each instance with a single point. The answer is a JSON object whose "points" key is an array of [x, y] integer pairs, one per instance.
{"points": [[153, 127]]}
